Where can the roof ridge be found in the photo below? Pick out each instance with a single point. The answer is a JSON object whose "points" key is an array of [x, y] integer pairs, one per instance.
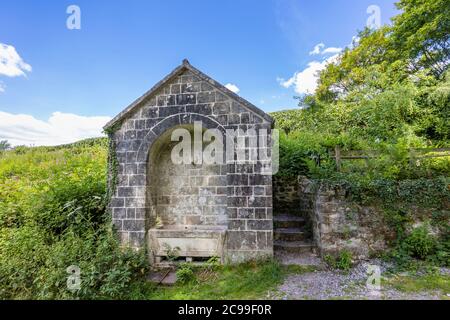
{"points": [[230, 93], [186, 65]]}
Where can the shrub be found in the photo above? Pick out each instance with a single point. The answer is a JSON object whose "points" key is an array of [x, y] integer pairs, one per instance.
{"points": [[52, 216], [185, 273], [343, 260], [420, 244]]}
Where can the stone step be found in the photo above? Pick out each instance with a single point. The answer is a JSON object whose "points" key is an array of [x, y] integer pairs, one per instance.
{"points": [[289, 234], [293, 246], [288, 221]]}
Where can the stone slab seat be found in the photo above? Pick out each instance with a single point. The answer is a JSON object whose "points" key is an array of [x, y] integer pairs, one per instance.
{"points": [[192, 241]]}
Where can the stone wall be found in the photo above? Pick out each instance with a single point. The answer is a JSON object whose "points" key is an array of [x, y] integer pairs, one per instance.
{"points": [[184, 98], [339, 224], [286, 196]]}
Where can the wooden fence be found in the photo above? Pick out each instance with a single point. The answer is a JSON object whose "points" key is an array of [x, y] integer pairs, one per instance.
{"points": [[414, 154]]}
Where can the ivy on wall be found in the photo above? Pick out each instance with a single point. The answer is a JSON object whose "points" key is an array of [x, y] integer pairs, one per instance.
{"points": [[113, 163]]}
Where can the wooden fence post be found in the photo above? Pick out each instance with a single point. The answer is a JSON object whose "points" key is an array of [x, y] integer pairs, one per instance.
{"points": [[337, 155]]}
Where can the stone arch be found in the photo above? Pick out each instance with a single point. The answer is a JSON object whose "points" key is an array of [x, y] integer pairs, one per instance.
{"points": [[170, 122], [186, 203], [154, 155]]}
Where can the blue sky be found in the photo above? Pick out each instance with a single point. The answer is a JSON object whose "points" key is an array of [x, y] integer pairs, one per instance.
{"points": [[124, 47]]}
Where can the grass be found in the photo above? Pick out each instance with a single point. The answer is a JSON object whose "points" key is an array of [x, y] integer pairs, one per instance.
{"points": [[299, 269], [254, 280], [428, 282], [246, 281], [251, 280]]}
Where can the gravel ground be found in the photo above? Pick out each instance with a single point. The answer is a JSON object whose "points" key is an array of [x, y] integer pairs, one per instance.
{"points": [[330, 284], [305, 259]]}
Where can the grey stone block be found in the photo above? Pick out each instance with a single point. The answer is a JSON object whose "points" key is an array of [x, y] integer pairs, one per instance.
{"points": [[259, 224], [133, 225], [242, 240], [150, 112], [236, 224], [221, 108], [137, 180], [245, 213], [238, 179], [206, 97], [191, 87], [117, 202], [131, 213], [189, 98], [199, 108], [131, 168], [119, 213], [170, 110], [126, 191]]}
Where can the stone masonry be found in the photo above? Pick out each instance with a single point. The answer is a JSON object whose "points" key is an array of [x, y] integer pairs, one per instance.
{"points": [[285, 194], [148, 189], [339, 224]]}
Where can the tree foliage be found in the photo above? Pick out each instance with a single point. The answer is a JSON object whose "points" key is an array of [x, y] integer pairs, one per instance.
{"points": [[53, 215], [4, 145], [417, 44], [389, 92]]}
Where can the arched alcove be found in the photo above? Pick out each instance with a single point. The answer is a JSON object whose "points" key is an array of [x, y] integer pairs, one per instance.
{"points": [[184, 196], [187, 202]]}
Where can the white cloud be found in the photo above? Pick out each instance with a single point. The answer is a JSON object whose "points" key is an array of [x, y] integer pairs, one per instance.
{"points": [[11, 64], [320, 49], [331, 50], [2, 87], [305, 81], [317, 48], [354, 43], [60, 128], [232, 87]]}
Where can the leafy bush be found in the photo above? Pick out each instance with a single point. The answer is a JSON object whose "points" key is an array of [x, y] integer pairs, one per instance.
{"points": [[52, 216], [420, 244], [185, 273], [343, 260]]}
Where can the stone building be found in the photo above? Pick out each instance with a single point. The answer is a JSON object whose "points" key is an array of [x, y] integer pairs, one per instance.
{"points": [[197, 208]]}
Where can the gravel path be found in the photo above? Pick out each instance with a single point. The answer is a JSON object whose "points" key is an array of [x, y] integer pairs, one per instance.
{"points": [[326, 284]]}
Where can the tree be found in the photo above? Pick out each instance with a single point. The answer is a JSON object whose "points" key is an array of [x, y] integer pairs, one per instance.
{"points": [[422, 33], [416, 44], [372, 55], [4, 145]]}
